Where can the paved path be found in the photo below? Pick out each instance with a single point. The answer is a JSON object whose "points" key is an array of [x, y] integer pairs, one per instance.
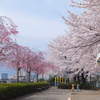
{"points": [[86, 95], [51, 94], [61, 94]]}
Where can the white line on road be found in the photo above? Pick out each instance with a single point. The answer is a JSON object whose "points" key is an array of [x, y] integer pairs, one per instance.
{"points": [[69, 98]]}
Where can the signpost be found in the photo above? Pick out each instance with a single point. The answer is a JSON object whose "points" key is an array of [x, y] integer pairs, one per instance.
{"points": [[59, 80]]}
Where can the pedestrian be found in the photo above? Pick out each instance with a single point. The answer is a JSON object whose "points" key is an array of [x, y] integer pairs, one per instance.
{"points": [[78, 89], [73, 88]]}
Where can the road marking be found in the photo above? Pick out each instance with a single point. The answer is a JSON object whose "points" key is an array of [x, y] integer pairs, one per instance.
{"points": [[69, 98]]}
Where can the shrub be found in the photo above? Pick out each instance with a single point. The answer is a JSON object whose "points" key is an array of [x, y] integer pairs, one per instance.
{"points": [[86, 86], [62, 86], [9, 91], [66, 86], [52, 81]]}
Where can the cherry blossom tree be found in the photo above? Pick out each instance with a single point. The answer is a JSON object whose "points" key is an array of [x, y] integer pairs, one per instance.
{"points": [[17, 58], [31, 62], [42, 66], [7, 28], [38, 64], [23, 58], [80, 47]]}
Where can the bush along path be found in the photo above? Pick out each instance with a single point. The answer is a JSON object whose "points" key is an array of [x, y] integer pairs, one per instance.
{"points": [[11, 91], [86, 86]]}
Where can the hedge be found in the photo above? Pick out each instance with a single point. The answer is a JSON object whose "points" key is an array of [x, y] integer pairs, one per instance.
{"points": [[65, 86], [10, 91], [86, 86]]}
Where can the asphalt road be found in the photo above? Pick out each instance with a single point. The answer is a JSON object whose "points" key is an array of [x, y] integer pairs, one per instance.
{"points": [[50, 94]]}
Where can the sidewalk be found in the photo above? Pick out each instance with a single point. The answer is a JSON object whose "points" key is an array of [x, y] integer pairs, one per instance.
{"points": [[50, 94], [86, 95]]}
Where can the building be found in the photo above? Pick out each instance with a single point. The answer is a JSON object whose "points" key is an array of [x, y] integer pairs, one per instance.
{"points": [[4, 76]]}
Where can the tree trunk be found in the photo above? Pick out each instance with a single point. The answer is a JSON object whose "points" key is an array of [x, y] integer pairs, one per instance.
{"points": [[18, 70], [37, 77], [29, 76], [43, 76]]}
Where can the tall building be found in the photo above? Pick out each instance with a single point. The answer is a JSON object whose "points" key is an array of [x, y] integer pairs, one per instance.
{"points": [[4, 76]]}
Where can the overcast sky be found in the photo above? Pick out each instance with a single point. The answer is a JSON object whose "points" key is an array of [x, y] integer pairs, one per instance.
{"points": [[38, 21]]}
